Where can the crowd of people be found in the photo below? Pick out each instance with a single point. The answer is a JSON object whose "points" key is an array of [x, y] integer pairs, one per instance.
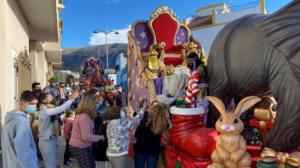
{"points": [[98, 130]]}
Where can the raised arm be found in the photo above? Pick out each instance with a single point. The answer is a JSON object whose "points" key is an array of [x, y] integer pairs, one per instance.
{"points": [[136, 120], [59, 109]]}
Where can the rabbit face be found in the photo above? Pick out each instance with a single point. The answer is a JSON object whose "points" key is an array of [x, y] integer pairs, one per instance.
{"points": [[229, 124]]}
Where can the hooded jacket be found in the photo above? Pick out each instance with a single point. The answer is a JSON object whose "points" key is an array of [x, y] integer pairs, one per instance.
{"points": [[18, 147]]}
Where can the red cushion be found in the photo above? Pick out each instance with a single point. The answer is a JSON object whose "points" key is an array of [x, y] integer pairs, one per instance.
{"points": [[173, 61], [165, 28], [174, 50]]}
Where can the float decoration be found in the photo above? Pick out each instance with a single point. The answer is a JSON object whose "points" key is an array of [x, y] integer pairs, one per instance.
{"points": [[270, 158], [268, 59], [157, 54], [254, 55], [231, 149], [156, 47], [91, 71]]}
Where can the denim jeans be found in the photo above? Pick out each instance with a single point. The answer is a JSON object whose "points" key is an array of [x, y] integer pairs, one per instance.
{"points": [[48, 150], [141, 160]]}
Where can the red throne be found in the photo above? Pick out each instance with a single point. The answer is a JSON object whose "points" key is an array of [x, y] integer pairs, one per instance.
{"points": [[168, 34], [165, 29], [163, 33]]}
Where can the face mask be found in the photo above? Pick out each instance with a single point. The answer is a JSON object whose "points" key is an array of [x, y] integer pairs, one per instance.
{"points": [[30, 108]]}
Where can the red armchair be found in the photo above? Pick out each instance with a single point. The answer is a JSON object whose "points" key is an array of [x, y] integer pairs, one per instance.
{"points": [[168, 35]]}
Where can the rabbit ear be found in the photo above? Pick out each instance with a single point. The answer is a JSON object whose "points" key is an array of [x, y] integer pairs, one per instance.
{"points": [[217, 103], [246, 103]]}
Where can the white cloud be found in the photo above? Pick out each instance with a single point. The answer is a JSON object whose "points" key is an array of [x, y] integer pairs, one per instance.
{"points": [[99, 38]]}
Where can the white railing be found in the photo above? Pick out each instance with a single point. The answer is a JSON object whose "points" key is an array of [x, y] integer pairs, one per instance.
{"points": [[235, 12]]}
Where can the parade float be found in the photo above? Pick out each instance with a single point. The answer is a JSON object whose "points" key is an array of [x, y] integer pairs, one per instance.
{"points": [[253, 62], [92, 74]]}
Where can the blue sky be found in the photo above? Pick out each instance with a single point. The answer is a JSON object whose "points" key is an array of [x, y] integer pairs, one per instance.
{"points": [[81, 17]]}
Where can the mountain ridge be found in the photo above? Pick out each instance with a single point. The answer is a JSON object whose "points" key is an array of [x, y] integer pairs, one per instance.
{"points": [[73, 58]]}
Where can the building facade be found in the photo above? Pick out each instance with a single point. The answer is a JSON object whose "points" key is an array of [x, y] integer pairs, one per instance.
{"points": [[122, 71], [30, 40], [67, 76], [210, 20]]}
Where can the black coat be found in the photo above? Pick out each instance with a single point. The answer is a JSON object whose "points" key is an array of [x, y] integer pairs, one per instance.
{"points": [[121, 99], [99, 148], [146, 142]]}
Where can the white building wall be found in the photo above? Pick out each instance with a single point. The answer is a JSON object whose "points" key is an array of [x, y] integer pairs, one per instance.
{"points": [[113, 77], [123, 62], [34, 62], [15, 40], [228, 17], [42, 68], [2, 60], [39, 62], [206, 36], [205, 13], [208, 11]]}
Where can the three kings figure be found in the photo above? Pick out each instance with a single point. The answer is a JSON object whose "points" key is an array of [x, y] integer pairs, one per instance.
{"points": [[197, 87]]}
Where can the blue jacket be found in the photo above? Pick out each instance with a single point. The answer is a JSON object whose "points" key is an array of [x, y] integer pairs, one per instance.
{"points": [[18, 147]]}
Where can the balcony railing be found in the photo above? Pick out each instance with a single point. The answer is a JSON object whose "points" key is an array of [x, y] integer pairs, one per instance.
{"points": [[239, 7]]}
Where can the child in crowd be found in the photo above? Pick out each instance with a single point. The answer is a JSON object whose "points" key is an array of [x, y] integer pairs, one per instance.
{"points": [[68, 124]]}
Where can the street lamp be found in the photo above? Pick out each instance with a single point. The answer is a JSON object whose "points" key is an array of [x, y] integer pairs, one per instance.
{"points": [[106, 34]]}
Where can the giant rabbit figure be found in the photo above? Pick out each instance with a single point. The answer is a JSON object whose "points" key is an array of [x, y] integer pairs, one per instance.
{"points": [[256, 54]]}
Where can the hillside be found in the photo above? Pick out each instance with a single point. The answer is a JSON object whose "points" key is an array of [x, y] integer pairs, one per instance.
{"points": [[72, 58]]}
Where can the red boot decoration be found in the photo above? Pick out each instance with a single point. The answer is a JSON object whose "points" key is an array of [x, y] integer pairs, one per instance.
{"points": [[188, 133]]}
